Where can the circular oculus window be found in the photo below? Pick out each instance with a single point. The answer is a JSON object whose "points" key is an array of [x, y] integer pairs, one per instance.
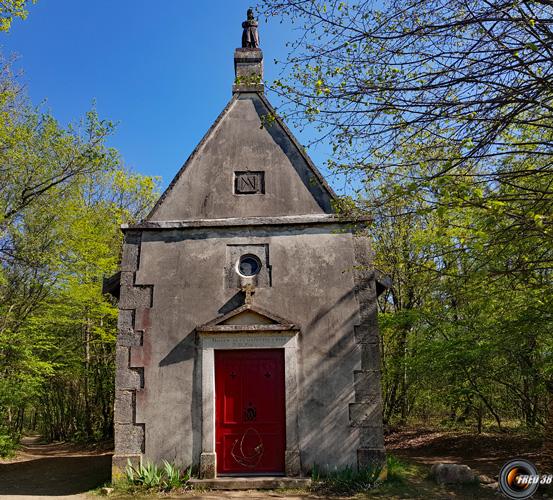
{"points": [[249, 265]]}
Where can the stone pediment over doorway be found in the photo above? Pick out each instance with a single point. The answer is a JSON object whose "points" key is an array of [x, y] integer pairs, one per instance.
{"points": [[248, 318]]}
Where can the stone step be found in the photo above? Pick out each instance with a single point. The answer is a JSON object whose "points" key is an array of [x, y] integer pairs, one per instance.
{"points": [[251, 483]]}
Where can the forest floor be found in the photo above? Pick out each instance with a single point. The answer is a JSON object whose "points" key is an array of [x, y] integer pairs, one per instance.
{"points": [[485, 453], [53, 470], [69, 471]]}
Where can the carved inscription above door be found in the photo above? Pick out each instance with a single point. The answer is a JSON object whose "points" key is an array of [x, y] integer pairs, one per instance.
{"points": [[249, 182]]}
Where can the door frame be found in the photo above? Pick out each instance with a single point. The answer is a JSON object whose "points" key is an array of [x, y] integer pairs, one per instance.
{"points": [[208, 343]]}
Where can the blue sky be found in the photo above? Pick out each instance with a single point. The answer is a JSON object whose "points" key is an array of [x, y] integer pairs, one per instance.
{"points": [[162, 70]]}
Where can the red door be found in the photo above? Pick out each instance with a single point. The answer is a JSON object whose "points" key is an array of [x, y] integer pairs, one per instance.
{"points": [[249, 421]]}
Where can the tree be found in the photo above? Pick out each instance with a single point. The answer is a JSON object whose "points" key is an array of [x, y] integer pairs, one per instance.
{"points": [[467, 70], [467, 83], [10, 9], [63, 196]]}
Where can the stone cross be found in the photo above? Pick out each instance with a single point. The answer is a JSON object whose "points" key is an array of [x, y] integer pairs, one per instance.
{"points": [[249, 290]]}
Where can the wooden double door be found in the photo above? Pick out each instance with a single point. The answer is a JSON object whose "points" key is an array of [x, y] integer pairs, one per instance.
{"points": [[250, 428]]}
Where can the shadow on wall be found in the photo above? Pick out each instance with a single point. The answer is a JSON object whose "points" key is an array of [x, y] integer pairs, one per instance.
{"points": [[327, 361], [280, 137], [55, 476], [327, 384]]}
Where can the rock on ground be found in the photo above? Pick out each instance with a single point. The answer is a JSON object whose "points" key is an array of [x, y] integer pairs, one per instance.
{"points": [[452, 474]]}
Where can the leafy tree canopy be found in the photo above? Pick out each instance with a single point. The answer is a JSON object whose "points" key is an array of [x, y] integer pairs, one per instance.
{"points": [[10, 9]]}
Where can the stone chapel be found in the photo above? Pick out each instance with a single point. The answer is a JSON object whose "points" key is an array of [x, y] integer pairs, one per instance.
{"points": [[247, 336]]}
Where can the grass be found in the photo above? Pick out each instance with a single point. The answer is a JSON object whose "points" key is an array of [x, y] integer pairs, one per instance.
{"points": [[345, 481], [371, 481], [404, 480]]}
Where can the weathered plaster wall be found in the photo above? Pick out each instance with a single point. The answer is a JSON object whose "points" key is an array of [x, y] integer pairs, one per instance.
{"points": [[239, 143], [313, 285]]}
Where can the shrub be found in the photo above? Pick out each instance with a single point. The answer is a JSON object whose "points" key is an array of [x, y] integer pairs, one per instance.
{"points": [[150, 476], [8, 444]]}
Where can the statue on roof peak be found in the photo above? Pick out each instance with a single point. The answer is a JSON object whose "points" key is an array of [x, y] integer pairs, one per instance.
{"points": [[250, 37]]}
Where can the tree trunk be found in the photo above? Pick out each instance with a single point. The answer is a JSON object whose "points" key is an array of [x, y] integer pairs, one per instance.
{"points": [[87, 421], [547, 449]]}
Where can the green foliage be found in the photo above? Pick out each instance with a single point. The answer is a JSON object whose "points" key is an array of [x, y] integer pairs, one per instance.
{"points": [[63, 196], [10, 9], [150, 476], [174, 476], [252, 79], [455, 171], [9, 442], [345, 481], [396, 470], [147, 476]]}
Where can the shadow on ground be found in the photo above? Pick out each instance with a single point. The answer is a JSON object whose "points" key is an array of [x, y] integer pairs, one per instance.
{"points": [[55, 476]]}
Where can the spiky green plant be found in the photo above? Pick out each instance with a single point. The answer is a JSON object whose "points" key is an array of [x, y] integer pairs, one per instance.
{"points": [[147, 476], [174, 476], [150, 476]]}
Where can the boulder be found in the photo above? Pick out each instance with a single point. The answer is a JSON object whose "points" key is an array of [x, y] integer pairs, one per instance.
{"points": [[452, 474]]}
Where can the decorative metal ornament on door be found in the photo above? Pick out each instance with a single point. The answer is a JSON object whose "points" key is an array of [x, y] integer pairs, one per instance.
{"points": [[239, 454], [250, 413]]}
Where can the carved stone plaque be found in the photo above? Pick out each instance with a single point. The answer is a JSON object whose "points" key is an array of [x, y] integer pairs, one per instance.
{"points": [[249, 182]]}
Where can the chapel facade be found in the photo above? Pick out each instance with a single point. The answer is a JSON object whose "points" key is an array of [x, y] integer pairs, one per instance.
{"points": [[248, 340]]}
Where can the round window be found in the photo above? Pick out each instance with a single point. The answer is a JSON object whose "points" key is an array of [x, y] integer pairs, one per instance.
{"points": [[249, 265]]}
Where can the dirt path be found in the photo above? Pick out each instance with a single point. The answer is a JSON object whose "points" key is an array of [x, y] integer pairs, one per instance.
{"points": [[63, 470], [485, 453], [52, 470]]}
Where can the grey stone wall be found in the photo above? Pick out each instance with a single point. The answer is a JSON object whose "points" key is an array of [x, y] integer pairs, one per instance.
{"points": [[181, 284], [134, 305], [366, 411]]}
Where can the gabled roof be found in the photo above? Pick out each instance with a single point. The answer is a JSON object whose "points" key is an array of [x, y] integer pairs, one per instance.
{"points": [[192, 156], [320, 191], [314, 170], [247, 318]]}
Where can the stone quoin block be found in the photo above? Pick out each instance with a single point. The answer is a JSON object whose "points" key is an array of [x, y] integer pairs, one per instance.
{"points": [[371, 457], [124, 407], [131, 252], [367, 386], [134, 297], [365, 414], [370, 356], [367, 332], [363, 253], [125, 322], [367, 306], [125, 377], [129, 339], [126, 334], [371, 437], [208, 465], [129, 439]]}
